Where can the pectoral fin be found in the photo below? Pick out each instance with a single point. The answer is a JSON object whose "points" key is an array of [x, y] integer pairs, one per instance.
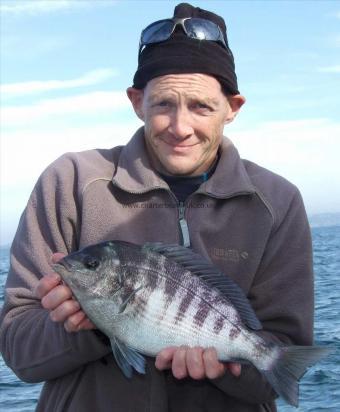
{"points": [[126, 301], [127, 358]]}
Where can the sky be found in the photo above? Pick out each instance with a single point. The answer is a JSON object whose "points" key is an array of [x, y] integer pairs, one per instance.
{"points": [[66, 64]]}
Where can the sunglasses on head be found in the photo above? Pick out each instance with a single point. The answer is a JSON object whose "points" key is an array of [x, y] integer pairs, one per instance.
{"points": [[194, 27]]}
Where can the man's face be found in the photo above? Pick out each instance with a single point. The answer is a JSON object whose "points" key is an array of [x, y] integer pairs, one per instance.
{"points": [[184, 116]]}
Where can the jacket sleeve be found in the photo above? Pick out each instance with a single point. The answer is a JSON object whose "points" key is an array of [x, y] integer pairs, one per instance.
{"points": [[33, 346], [282, 295]]}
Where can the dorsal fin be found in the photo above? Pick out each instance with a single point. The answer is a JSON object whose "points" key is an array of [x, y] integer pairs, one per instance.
{"points": [[202, 268]]}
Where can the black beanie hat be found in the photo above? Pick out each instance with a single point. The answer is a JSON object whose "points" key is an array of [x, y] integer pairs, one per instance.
{"points": [[182, 54]]}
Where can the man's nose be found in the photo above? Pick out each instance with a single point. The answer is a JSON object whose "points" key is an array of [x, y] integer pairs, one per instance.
{"points": [[180, 124]]}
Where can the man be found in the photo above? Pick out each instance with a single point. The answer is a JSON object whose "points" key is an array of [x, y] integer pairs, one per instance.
{"points": [[177, 180]]}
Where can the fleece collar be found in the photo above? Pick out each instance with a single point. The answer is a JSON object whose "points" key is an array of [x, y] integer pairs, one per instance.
{"points": [[135, 174]]}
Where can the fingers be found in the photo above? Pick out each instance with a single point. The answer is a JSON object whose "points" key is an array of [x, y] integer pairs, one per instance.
{"points": [[56, 296], [78, 322], [213, 367], [173, 358], [164, 358], [86, 324], [196, 363], [64, 310], [179, 364], [73, 321], [234, 369], [58, 299], [57, 256], [46, 284]]}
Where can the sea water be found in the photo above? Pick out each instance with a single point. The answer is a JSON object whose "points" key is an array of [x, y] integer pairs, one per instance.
{"points": [[319, 388]]}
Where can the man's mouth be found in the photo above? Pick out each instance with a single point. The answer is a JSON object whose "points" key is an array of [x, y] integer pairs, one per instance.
{"points": [[178, 144]]}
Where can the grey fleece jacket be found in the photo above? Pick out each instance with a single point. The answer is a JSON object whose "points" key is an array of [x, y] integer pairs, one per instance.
{"points": [[248, 221]]}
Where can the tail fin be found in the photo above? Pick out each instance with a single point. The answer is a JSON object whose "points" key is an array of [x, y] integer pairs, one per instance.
{"points": [[290, 367]]}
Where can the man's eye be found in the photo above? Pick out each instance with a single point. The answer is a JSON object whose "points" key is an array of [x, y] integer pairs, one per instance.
{"points": [[163, 103], [201, 106]]}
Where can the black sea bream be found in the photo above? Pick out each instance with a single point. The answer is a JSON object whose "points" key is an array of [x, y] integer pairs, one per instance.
{"points": [[146, 298]]}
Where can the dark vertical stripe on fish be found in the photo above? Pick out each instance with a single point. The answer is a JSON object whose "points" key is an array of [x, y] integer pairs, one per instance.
{"points": [[218, 325], [184, 305], [153, 281], [233, 333], [170, 288], [201, 314]]}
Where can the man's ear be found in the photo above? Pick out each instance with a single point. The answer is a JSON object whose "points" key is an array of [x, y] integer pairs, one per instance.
{"points": [[236, 101], [136, 98]]}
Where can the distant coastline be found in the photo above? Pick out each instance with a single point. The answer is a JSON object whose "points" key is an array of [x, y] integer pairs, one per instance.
{"points": [[324, 219]]}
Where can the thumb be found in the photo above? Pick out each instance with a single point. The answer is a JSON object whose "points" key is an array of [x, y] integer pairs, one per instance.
{"points": [[57, 256]]}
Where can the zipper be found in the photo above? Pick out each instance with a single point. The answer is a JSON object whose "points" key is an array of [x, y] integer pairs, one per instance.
{"points": [[183, 225]]}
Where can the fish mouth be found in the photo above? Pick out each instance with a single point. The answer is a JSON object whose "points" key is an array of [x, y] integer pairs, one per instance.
{"points": [[62, 264]]}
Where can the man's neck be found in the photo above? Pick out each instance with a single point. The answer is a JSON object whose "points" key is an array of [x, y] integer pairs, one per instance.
{"points": [[184, 186]]}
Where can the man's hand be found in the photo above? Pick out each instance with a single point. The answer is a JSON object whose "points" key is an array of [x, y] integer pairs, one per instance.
{"points": [[58, 299], [197, 363]]}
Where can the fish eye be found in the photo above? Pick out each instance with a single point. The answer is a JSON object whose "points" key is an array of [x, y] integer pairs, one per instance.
{"points": [[91, 262]]}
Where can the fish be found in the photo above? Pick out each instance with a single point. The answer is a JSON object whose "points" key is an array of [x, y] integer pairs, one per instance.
{"points": [[145, 298]]}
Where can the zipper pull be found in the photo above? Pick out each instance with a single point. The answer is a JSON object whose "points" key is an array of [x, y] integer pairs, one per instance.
{"points": [[183, 225]]}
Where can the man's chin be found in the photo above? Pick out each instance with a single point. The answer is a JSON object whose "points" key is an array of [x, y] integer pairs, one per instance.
{"points": [[179, 169]]}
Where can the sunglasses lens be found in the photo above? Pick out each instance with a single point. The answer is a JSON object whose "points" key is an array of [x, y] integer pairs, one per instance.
{"points": [[157, 32], [202, 29]]}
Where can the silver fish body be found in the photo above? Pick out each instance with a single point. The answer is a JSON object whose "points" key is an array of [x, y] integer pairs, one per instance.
{"points": [[146, 298]]}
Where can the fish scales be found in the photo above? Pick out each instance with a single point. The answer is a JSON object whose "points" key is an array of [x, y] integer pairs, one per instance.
{"points": [[176, 278], [165, 314], [180, 291], [144, 301]]}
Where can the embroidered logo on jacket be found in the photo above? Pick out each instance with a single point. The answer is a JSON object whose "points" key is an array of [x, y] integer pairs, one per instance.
{"points": [[231, 255]]}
